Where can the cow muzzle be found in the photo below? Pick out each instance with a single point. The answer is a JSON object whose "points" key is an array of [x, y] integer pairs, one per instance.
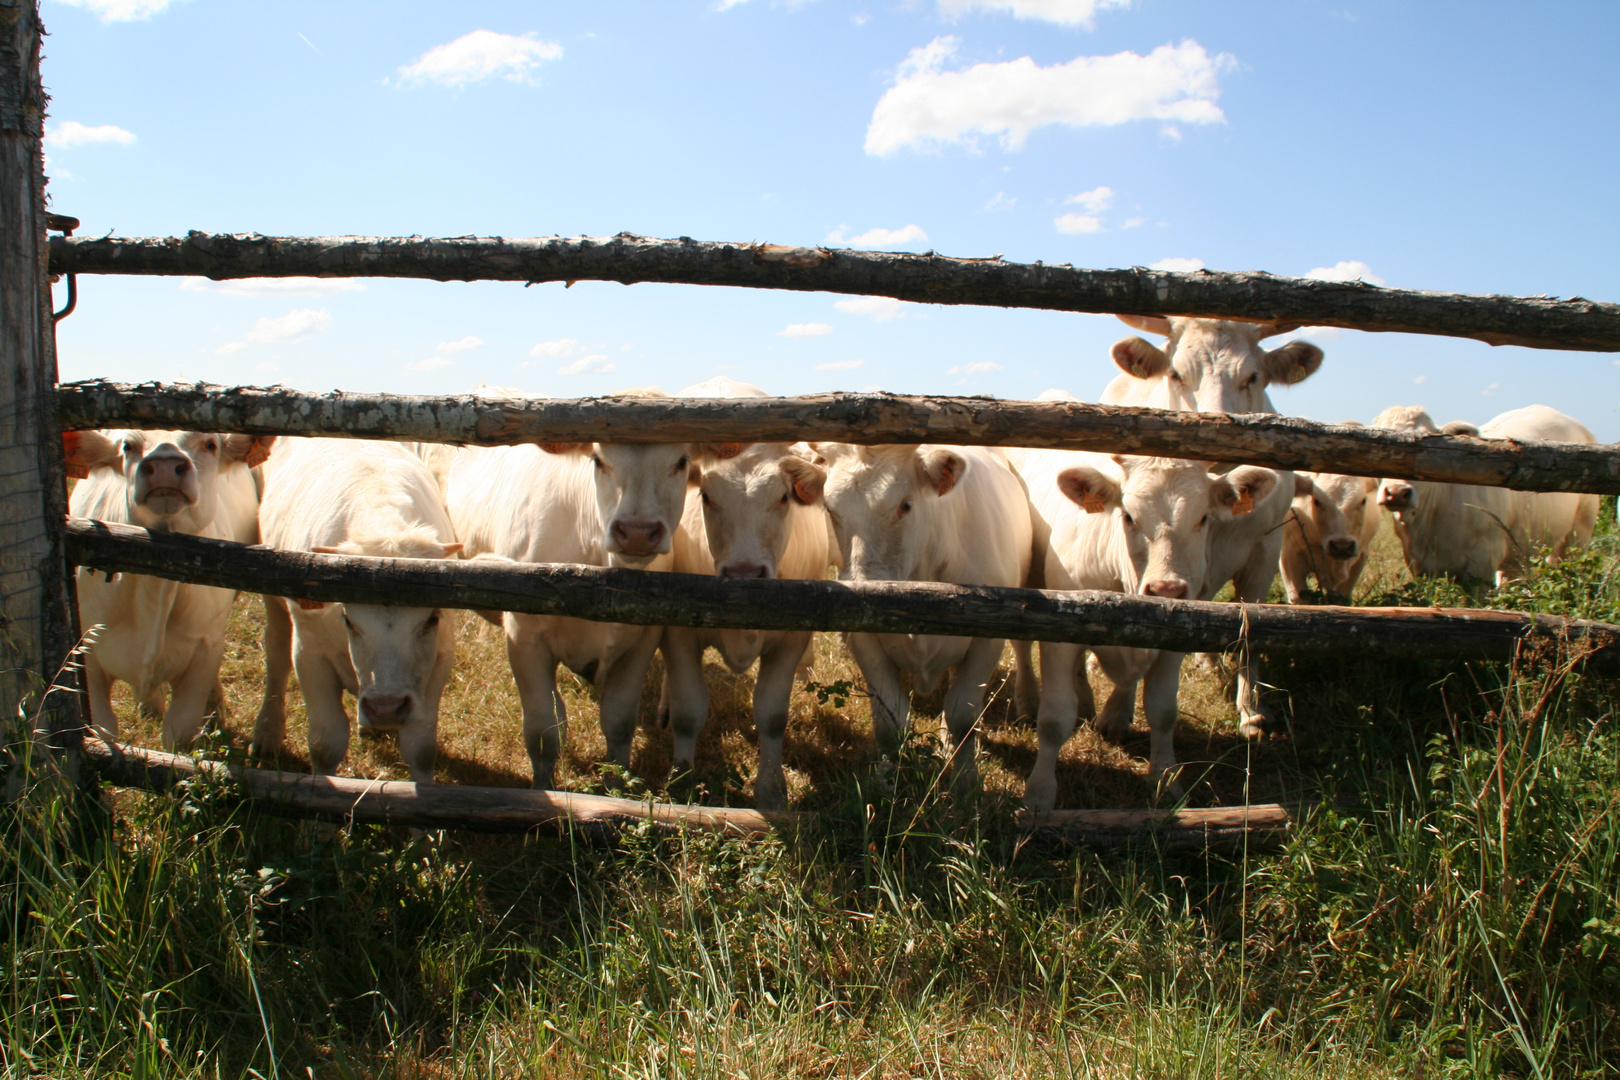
{"points": [[385, 712], [745, 568], [165, 483], [1397, 496], [1166, 588], [638, 536], [1341, 547]]}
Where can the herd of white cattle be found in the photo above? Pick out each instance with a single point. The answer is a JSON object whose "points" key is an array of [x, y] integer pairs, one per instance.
{"points": [[961, 515]]}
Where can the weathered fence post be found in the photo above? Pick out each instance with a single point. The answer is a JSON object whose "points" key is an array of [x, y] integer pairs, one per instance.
{"points": [[37, 617]]}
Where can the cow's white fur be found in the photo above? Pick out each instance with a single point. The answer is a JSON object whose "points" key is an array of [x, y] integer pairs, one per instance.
{"points": [[1121, 524], [953, 514], [1485, 533], [1210, 365], [349, 497], [1329, 533], [149, 632]]}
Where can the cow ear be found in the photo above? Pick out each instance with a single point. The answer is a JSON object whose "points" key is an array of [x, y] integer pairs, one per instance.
{"points": [[83, 451], [1241, 488], [447, 550], [250, 450], [1151, 324], [1302, 484], [326, 549], [721, 451], [1460, 427], [1140, 359], [942, 468], [1292, 363], [565, 447], [1088, 488], [806, 479]]}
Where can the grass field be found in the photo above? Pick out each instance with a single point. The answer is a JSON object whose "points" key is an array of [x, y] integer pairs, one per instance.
{"points": [[1450, 907]]}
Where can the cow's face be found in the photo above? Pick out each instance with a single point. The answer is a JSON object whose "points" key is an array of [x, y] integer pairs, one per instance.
{"points": [[1332, 510], [1214, 366], [1162, 509], [1400, 497], [169, 475], [880, 500], [749, 499], [640, 493], [401, 655]]}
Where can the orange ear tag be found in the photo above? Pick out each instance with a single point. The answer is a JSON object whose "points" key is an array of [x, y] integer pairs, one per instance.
{"points": [[1244, 505], [1093, 502], [311, 605], [77, 472], [728, 449]]}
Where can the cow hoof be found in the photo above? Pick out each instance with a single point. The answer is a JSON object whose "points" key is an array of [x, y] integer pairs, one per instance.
{"points": [[1112, 732], [1260, 726]]}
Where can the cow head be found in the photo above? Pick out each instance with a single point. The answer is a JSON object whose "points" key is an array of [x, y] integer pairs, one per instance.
{"points": [[749, 500], [880, 500], [1212, 365], [1331, 510], [169, 476], [640, 492], [1162, 510], [1400, 497]]}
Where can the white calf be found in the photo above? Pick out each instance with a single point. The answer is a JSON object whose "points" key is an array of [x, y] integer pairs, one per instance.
{"points": [[154, 632], [1328, 534], [590, 503], [1122, 524], [1469, 531], [1208, 365], [348, 497], [954, 514]]}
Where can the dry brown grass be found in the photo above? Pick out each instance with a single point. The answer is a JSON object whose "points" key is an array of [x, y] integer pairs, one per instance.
{"points": [[480, 724]]}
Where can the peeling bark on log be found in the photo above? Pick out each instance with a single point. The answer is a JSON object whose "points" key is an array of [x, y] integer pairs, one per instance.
{"points": [[634, 596], [1537, 322], [1262, 439], [1259, 826], [345, 800]]}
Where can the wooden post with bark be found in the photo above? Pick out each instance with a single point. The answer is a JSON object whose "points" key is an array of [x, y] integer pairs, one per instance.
{"points": [[37, 609]]}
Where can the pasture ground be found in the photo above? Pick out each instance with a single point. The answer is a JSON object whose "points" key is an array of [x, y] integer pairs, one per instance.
{"points": [[1450, 907]]}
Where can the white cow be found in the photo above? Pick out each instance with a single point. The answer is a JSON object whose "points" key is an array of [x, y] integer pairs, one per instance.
{"points": [[348, 497], [1122, 524], [1469, 531], [1329, 533], [1209, 365], [153, 632], [597, 504], [954, 514]]}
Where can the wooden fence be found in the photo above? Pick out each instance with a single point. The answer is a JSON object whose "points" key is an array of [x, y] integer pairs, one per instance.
{"points": [[39, 545]]}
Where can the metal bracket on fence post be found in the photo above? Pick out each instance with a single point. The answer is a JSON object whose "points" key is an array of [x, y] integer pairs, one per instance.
{"points": [[65, 225]]}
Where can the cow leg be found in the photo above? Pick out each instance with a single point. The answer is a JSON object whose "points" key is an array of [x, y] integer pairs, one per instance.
{"points": [[1159, 691], [270, 726], [1062, 703], [98, 688], [964, 705], [891, 706], [534, 669], [621, 696], [1296, 568], [1026, 687], [188, 700], [687, 692], [419, 746], [773, 690], [153, 704], [323, 704], [1124, 668], [1252, 584]]}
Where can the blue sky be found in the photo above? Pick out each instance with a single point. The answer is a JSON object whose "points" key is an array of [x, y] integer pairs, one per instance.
{"points": [[1454, 146]]}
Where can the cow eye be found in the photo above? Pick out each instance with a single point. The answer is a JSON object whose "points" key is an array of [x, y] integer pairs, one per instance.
{"points": [[1203, 521], [1175, 376], [432, 623], [349, 624], [680, 466], [1252, 380], [1128, 519], [212, 445], [704, 495], [784, 498], [1316, 502], [905, 507], [597, 461]]}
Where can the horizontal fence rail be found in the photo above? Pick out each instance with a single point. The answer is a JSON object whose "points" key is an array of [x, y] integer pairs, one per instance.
{"points": [[659, 599], [1263, 439], [1538, 321]]}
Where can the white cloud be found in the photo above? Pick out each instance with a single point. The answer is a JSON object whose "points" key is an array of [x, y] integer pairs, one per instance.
{"points": [[1490, 391], [881, 308], [1001, 201], [592, 364], [558, 348], [1176, 265], [230, 347], [1420, 380], [468, 342], [1133, 223], [120, 10], [1080, 13], [873, 238], [840, 365], [929, 107], [1075, 224], [71, 133], [805, 330], [980, 368], [266, 367], [296, 325], [432, 363], [1094, 201], [480, 55], [1348, 270], [287, 286]]}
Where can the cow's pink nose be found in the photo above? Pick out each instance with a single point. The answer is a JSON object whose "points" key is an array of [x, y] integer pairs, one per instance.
{"points": [[165, 471], [1396, 496], [1169, 588], [744, 569], [385, 710], [639, 536], [1341, 547]]}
